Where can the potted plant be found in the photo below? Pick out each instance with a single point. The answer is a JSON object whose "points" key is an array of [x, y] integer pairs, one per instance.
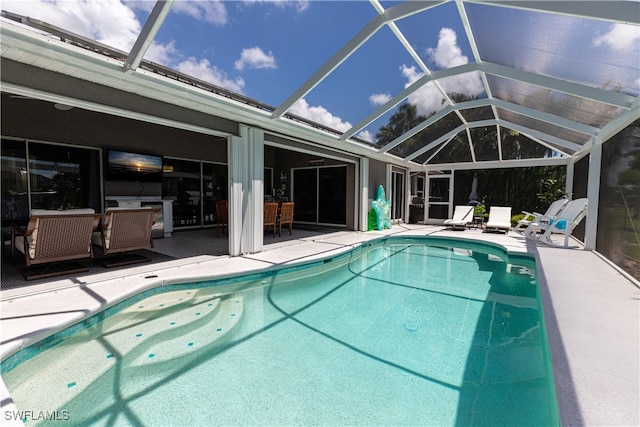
{"points": [[479, 213]]}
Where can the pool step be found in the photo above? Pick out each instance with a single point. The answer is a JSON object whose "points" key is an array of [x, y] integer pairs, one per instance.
{"points": [[160, 328], [203, 325]]}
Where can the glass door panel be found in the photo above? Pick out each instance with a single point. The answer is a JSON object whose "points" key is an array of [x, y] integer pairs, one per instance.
{"points": [[397, 204], [439, 190], [305, 195], [181, 183], [15, 202], [332, 186], [63, 177], [214, 188]]}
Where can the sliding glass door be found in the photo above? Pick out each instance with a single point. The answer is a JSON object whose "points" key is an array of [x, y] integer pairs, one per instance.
{"points": [[194, 187], [47, 176], [319, 194], [397, 204]]}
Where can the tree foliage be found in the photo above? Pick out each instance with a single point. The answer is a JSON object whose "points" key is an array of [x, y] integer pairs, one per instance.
{"points": [[530, 188]]}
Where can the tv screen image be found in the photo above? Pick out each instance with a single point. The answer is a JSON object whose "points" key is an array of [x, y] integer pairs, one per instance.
{"points": [[125, 166]]}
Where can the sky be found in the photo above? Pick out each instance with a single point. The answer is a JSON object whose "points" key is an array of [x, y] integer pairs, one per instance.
{"points": [[266, 49]]}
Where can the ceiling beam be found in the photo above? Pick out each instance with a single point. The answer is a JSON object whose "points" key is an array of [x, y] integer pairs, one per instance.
{"points": [[426, 78], [397, 12], [600, 95], [517, 109], [618, 124], [571, 146], [149, 31], [547, 117], [500, 164]]}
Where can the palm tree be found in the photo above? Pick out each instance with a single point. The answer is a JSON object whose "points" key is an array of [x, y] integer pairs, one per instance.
{"points": [[400, 122]]}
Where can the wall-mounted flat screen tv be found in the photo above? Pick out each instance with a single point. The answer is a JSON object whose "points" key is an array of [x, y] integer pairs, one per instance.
{"points": [[125, 166]]}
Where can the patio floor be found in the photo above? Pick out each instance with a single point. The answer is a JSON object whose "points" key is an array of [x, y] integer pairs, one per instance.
{"points": [[591, 310]]}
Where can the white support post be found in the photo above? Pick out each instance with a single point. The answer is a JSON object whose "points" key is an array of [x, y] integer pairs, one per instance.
{"points": [[389, 182], [593, 195], [364, 195], [569, 179], [407, 195], [246, 192]]}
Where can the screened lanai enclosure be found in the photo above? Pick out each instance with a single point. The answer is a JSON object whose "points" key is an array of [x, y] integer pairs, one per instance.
{"points": [[399, 94]]}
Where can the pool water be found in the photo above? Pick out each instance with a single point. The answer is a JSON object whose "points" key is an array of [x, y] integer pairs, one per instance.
{"points": [[402, 332]]}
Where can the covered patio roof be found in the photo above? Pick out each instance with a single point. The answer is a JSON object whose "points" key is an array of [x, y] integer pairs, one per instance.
{"points": [[551, 79]]}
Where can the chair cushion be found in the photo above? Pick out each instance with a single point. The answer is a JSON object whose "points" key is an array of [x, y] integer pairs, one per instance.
{"points": [[560, 225], [43, 212], [19, 245], [96, 238]]}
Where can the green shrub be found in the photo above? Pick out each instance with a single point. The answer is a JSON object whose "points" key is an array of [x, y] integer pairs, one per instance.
{"points": [[516, 218]]}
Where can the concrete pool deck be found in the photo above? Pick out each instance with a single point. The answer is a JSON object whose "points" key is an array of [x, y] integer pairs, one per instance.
{"points": [[591, 310]]}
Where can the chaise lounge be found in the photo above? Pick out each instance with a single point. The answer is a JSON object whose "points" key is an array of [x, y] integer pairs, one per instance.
{"points": [[462, 216], [499, 219], [54, 239]]}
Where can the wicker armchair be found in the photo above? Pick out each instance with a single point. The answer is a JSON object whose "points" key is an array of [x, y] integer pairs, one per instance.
{"points": [[125, 230], [53, 236]]}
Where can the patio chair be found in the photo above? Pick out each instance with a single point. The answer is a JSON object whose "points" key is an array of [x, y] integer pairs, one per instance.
{"points": [[222, 216], [565, 222], [270, 217], [499, 219], [286, 217], [529, 226], [52, 239], [462, 216], [125, 230]]}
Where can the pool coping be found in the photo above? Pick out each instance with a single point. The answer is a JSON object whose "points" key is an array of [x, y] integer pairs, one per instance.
{"points": [[90, 297]]}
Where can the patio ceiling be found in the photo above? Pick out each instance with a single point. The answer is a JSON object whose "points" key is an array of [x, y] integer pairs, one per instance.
{"points": [[554, 78]]}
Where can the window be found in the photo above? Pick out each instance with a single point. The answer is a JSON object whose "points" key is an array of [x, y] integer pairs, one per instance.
{"points": [[15, 197], [54, 177]]}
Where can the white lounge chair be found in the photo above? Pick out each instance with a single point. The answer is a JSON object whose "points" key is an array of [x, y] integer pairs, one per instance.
{"points": [[565, 222], [499, 219], [462, 215], [537, 220]]}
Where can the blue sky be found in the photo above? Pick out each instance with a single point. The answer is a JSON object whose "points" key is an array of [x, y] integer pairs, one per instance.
{"points": [[266, 49]]}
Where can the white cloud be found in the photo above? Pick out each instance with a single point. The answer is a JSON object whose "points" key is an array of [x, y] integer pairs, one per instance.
{"points": [[620, 38], [319, 114], [161, 53], [300, 5], [447, 54], [255, 58], [212, 11], [107, 21], [365, 135], [114, 23], [145, 5], [203, 70], [379, 98]]}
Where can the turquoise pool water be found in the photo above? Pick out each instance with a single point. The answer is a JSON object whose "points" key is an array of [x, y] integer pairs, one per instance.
{"points": [[401, 332]]}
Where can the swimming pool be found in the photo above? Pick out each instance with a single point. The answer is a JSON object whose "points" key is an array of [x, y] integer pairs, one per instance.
{"points": [[399, 332]]}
